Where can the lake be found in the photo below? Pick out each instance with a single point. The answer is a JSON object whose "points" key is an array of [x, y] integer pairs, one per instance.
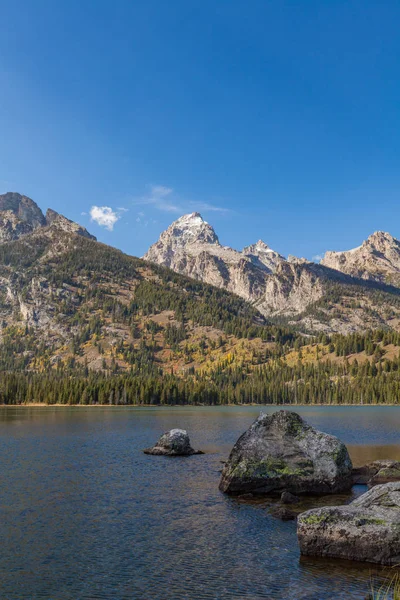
{"points": [[86, 515]]}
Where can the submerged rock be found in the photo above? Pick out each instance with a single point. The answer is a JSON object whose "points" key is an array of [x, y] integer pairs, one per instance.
{"points": [[368, 529], [377, 472], [173, 443], [283, 513], [282, 452], [288, 498]]}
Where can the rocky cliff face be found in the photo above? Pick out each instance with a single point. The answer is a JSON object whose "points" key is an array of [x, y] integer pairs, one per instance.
{"points": [[19, 215], [292, 288], [377, 259]]}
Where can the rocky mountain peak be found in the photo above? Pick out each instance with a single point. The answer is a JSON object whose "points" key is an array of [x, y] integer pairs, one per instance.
{"points": [[24, 208], [296, 260], [259, 246], [378, 258], [188, 234], [190, 246], [20, 215], [54, 219], [51, 216], [263, 255], [380, 240], [192, 228]]}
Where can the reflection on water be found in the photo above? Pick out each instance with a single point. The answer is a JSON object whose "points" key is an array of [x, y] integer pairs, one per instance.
{"points": [[361, 455], [84, 514]]}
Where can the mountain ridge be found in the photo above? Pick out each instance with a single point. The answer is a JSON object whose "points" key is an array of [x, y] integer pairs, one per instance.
{"points": [[276, 286], [20, 215], [293, 292], [377, 258]]}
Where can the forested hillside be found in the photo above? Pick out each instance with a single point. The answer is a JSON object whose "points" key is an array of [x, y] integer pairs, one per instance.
{"points": [[82, 323]]}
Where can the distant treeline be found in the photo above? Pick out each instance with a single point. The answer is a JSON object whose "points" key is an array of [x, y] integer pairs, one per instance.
{"points": [[370, 382]]}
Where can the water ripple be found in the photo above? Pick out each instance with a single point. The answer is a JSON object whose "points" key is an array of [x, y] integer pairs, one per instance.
{"points": [[85, 515]]}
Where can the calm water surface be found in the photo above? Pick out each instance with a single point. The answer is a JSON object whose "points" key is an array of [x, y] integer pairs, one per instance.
{"points": [[85, 515]]}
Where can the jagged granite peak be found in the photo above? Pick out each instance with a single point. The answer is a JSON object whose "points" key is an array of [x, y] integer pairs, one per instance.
{"points": [[54, 219], [19, 215], [23, 207], [259, 247], [191, 247], [378, 259], [191, 229], [296, 260], [264, 255]]}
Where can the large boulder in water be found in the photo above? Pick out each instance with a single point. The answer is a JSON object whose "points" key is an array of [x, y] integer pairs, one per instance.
{"points": [[282, 452], [368, 529], [173, 443]]}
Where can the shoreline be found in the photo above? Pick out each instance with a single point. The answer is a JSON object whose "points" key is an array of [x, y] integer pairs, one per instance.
{"points": [[166, 406]]}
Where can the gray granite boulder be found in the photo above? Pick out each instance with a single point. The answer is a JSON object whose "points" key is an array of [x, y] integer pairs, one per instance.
{"points": [[368, 529], [377, 472], [173, 443], [282, 452]]}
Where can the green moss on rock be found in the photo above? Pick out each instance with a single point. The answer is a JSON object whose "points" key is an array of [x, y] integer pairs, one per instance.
{"points": [[314, 519]]}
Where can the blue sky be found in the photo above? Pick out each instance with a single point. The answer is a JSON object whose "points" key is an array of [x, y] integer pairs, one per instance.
{"points": [[276, 120]]}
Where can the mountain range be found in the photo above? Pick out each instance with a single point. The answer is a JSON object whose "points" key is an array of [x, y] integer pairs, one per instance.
{"points": [[347, 291], [82, 322]]}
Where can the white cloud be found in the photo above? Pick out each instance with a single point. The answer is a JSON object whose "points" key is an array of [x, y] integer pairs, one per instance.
{"points": [[161, 191], [317, 258], [197, 206], [158, 197], [163, 198], [104, 216]]}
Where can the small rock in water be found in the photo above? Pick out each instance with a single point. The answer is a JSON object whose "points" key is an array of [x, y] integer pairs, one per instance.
{"points": [[377, 472], [283, 513], [281, 452], [173, 443], [288, 498], [368, 529]]}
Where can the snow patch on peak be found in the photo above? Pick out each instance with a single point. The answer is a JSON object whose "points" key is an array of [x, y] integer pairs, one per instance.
{"points": [[263, 256], [263, 247], [189, 230], [332, 252], [260, 248], [355, 249], [190, 220]]}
